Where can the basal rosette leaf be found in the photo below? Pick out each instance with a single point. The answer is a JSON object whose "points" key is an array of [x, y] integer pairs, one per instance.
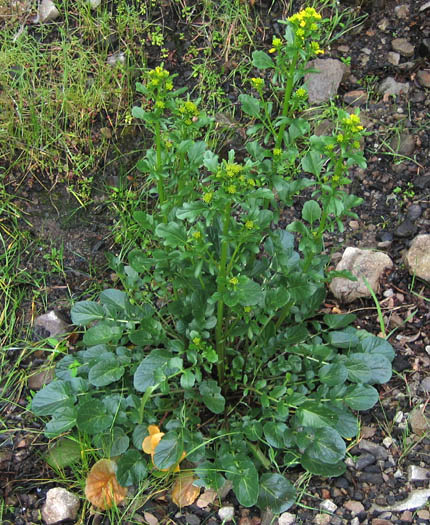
{"points": [[276, 493]]}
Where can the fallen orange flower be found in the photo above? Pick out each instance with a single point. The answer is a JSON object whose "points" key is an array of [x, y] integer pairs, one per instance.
{"points": [[184, 492], [150, 444], [102, 488]]}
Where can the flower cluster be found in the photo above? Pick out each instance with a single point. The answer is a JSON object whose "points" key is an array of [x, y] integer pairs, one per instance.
{"points": [[257, 84], [276, 45], [352, 123], [306, 19], [188, 111], [159, 78]]}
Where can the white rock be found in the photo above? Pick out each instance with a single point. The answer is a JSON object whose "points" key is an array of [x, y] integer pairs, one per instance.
{"points": [[417, 258], [48, 11], [328, 505], [323, 86], [415, 500], [49, 325], [115, 58], [94, 3], [226, 513], [418, 473], [365, 265], [322, 519], [287, 519], [60, 505]]}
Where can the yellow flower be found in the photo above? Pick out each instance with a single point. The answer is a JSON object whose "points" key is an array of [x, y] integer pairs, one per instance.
{"points": [[302, 93], [257, 83], [316, 48], [276, 45], [277, 152], [231, 189], [151, 442], [197, 341], [197, 235], [207, 197], [234, 281], [249, 225], [340, 137], [160, 104]]}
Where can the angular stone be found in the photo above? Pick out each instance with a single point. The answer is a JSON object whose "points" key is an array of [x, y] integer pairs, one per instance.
{"points": [[40, 379], [365, 265], [323, 86], [405, 229], [423, 77], [328, 505], [389, 86], [358, 97], [403, 144], [403, 46], [226, 513], [417, 258], [402, 11], [393, 58], [287, 519], [416, 473], [419, 423], [49, 325], [355, 507], [48, 11], [60, 505]]}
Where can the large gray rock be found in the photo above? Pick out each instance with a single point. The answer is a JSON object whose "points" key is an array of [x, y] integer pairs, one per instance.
{"points": [[323, 86], [389, 86], [363, 264], [48, 11], [403, 46], [60, 505], [49, 325], [417, 258]]}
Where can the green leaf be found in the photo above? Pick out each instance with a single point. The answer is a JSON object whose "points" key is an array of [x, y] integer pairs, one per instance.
{"points": [[379, 368], [209, 475], [139, 434], [326, 446], [312, 162], [315, 415], [274, 433], [138, 112], [86, 312], [311, 211], [322, 469], [63, 420], [375, 345], [336, 321], [52, 397], [262, 60], [347, 423], [191, 210], [211, 396], [64, 453], [174, 234], [358, 369], [244, 476], [145, 375], [113, 297], [343, 339], [361, 397], [247, 292], [276, 493], [131, 468], [102, 333], [120, 442], [168, 451], [139, 260], [105, 372], [92, 417], [188, 379], [333, 374], [250, 105], [196, 152]]}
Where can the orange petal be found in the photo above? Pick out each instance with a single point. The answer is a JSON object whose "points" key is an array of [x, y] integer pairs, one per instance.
{"points": [[153, 429], [151, 441], [102, 488], [184, 492]]}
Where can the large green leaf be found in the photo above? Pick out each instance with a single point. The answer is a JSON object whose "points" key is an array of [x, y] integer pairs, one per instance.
{"points": [[326, 446], [52, 397], [92, 417], [131, 468], [244, 476], [102, 333], [375, 345], [333, 374], [276, 493], [250, 105], [336, 321], [105, 372], [112, 297], [347, 423], [262, 60], [63, 420], [168, 451], [173, 234], [211, 396], [148, 372], [313, 162], [322, 469], [209, 475], [63, 453], [311, 211], [358, 369], [274, 433], [120, 442], [191, 210], [86, 312], [343, 338], [361, 397], [315, 415], [378, 365]]}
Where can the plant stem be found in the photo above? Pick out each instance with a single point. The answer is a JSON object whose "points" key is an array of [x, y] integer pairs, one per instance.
{"points": [[222, 274], [287, 97], [158, 169]]}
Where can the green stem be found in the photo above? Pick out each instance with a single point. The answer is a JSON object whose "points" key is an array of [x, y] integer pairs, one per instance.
{"points": [[287, 98], [222, 274], [158, 168]]}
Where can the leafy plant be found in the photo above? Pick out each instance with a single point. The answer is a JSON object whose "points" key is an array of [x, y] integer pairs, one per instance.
{"points": [[214, 358]]}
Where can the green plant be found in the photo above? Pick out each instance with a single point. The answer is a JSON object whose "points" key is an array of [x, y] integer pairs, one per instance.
{"points": [[215, 354]]}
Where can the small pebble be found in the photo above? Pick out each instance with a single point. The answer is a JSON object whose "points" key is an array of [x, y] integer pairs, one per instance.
{"points": [[226, 513]]}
